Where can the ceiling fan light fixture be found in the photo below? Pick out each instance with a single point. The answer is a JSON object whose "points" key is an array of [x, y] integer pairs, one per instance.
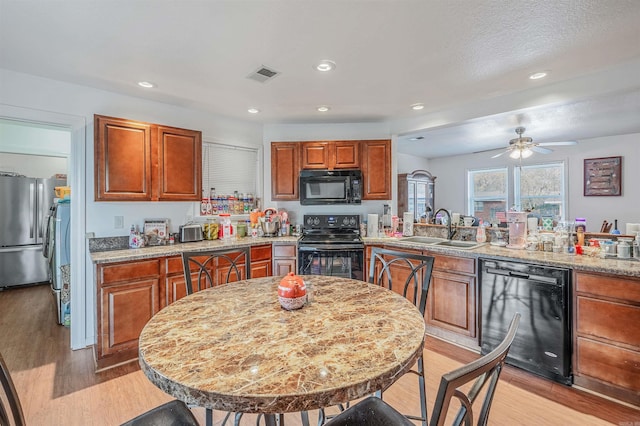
{"points": [[526, 153], [515, 154]]}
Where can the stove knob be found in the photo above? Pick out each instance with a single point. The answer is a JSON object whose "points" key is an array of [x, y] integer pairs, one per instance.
{"points": [[316, 221], [352, 221], [345, 221]]}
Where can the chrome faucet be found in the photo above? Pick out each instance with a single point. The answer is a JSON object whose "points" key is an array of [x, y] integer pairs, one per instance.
{"points": [[450, 232]]}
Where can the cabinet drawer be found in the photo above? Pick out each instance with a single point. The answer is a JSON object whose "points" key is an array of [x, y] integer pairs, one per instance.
{"points": [[129, 271], [284, 251], [611, 287], [174, 265], [618, 366], [261, 253], [455, 264], [610, 320]]}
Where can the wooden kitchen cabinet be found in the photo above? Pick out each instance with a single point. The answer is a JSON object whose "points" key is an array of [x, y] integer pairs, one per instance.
{"points": [[284, 259], [122, 160], [179, 165], [452, 301], [376, 169], [261, 261], [285, 169], [606, 356], [329, 155], [129, 294], [137, 161]]}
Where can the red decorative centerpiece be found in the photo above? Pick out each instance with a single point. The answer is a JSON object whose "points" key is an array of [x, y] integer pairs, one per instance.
{"points": [[292, 292]]}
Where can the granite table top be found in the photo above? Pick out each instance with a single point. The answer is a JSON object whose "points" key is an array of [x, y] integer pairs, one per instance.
{"points": [[233, 348]]}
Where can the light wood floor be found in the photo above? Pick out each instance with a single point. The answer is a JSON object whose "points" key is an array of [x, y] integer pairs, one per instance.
{"points": [[58, 386]]}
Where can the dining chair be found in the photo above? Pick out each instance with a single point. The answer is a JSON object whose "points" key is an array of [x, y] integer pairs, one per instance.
{"points": [[371, 411], [484, 370], [410, 275], [213, 267], [210, 268], [11, 409], [172, 413]]}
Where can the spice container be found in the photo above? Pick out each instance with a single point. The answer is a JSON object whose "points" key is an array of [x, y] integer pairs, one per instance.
{"points": [[624, 248]]}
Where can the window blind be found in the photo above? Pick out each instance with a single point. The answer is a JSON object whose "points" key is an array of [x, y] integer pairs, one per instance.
{"points": [[229, 168]]}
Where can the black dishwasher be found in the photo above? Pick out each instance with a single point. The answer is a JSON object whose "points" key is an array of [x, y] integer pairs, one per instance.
{"points": [[541, 294]]}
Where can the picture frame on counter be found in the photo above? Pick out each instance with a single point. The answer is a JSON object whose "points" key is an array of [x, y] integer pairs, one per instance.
{"points": [[156, 231], [603, 176]]}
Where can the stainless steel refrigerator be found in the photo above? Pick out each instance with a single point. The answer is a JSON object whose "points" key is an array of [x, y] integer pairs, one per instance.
{"points": [[24, 206]]}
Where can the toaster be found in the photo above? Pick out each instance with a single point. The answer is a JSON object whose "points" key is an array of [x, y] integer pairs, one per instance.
{"points": [[190, 233]]}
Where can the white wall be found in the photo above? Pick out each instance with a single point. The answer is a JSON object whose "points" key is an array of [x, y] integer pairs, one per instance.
{"points": [[49, 97], [36, 166], [451, 183], [409, 163], [305, 132]]}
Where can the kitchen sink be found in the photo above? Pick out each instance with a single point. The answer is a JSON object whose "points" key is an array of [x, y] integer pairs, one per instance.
{"points": [[462, 245], [424, 240]]}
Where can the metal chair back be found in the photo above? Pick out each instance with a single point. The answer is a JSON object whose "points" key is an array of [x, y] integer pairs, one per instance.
{"points": [[485, 370], [11, 411], [203, 268], [418, 267]]}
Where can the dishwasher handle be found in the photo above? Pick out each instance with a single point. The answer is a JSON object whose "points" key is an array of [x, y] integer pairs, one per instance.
{"points": [[523, 275]]}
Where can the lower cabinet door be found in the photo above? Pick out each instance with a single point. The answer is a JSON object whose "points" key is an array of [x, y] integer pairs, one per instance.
{"points": [[126, 308], [451, 304]]}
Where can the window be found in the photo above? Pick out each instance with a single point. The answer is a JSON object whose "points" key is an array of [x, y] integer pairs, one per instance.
{"points": [[540, 188], [228, 169], [488, 193]]}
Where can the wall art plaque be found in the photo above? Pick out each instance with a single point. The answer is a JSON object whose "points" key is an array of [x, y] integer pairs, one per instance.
{"points": [[603, 176]]}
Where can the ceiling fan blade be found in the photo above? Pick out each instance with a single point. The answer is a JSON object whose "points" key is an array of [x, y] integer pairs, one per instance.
{"points": [[499, 154], [558, 143], [487, 150], [541, 150]]}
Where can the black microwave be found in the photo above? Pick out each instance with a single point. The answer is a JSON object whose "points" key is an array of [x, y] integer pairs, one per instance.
{"points": [[319, 187]]}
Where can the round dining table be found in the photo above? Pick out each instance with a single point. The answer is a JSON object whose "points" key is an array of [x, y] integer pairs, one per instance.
{"points": [[234, 348]]}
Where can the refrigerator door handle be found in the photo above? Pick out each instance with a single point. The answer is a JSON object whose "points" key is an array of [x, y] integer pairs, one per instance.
{"points": [[32, 209], [39, 225]]}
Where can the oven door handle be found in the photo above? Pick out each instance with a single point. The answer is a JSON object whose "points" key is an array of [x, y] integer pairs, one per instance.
{"points": [[330, 247]]}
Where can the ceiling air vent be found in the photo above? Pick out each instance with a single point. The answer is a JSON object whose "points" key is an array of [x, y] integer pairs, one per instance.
{"points": [[263, 74]]}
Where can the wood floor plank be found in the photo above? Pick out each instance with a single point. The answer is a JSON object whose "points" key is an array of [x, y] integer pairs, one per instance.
{"points": [[59, 386]]}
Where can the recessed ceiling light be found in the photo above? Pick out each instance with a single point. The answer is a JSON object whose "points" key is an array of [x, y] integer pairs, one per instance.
{"points": [[253, 110], [416, 138], [325, 65], [538, 75], [146, 84], [417, 107], [323, 108]]}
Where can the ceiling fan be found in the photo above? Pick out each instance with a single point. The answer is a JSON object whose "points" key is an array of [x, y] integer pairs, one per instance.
{"points": [[523, 147]]}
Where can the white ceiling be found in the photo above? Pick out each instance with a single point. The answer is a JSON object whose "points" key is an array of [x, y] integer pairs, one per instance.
{"points": [[467, 61]]}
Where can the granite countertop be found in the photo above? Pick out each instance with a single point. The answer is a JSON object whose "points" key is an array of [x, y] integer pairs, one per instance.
{"points": [[233, 348], [110, 256], [579, 262]]}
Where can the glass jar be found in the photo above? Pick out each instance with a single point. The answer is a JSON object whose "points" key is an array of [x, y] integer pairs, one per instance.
{"points": [[211, 229], [225, 225], [532, 242], [624, 248]]}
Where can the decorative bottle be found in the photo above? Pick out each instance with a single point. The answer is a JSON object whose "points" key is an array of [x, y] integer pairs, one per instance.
{"points": [[481, 235]]}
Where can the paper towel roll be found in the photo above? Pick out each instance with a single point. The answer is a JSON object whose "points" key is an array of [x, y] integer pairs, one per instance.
{"points": [[407, 224], [372, 225], [632, 228]]}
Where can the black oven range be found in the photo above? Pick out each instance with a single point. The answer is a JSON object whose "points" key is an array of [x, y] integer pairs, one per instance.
{"points": [[331, 245]]}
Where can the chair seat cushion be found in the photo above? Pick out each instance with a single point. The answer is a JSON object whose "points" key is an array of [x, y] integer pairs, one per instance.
{"points": [[173, 413], [371, 411]]}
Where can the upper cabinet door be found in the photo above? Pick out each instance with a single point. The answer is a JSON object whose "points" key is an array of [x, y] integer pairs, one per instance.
{"points": [[329, 155], [316, 155], [376, 169], [179, 165], [285, 168], [122, 160]]}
